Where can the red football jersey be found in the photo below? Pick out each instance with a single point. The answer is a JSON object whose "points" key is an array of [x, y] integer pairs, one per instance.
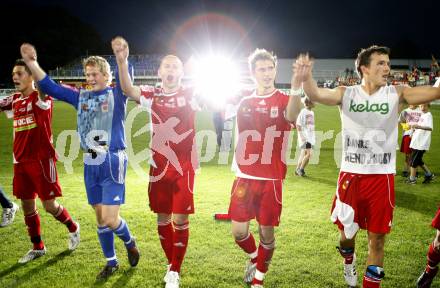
{"points": [[32, 127], [263, 134], [173, 128]]}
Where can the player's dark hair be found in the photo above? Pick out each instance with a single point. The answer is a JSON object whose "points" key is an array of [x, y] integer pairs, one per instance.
{"points": [[364, 56], [20, 62]]}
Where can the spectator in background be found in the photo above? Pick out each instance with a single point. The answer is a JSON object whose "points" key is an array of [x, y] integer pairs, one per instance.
{"points": [[409, 116], [420, 142], [223, 129], [305, 125]]}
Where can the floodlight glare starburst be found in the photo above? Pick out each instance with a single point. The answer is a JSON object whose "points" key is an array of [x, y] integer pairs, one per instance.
{"points": [[216, 79]]}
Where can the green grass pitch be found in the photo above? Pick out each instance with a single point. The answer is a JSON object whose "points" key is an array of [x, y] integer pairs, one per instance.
{"points": [[305, 255]]}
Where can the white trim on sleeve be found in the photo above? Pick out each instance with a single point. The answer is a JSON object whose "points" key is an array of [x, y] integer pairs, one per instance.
{"points": [[44, 105]]}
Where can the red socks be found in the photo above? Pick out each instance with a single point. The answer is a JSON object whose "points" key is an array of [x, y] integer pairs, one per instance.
{"points": [[370, 282], [433, 256], [248, 245], [64, 217], [34, 229], [347, 253], [180, 242], [265, 253], [33, 224], [166, 232]]}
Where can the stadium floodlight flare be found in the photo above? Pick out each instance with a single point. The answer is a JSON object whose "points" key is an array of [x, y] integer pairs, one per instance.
{"points": [[216, 78]]}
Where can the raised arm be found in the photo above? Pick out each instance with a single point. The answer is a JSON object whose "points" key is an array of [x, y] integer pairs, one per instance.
{"points": [[45, 84], [294, 104], [121, 51], [416, 126], [419, 95], [302, 68], [29, 55]]}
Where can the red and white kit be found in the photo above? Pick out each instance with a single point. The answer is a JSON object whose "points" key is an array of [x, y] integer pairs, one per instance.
{"points": [[34, 155], [365, 193], [259, 159], [174, 151]]}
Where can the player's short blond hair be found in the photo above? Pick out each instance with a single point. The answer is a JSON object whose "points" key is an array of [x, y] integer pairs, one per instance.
{"points": [[101, 63], [261, 54]]}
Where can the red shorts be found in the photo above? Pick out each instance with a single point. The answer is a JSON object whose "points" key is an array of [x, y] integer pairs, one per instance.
{"points": [[172, 193], [36, 178], [260, 199], [364, 201], [404, 146], [436, 220]]}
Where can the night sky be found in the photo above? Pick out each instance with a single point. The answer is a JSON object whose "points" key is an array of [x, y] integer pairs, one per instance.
{"points": [[328, 29]]}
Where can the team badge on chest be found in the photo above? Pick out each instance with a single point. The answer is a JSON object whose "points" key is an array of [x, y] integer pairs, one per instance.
{"points": [[104, 106], [274, 112], [181, 101]]}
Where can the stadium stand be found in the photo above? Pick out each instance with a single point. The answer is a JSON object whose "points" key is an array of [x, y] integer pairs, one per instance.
{"points": [[145, 67], [329, 73]]}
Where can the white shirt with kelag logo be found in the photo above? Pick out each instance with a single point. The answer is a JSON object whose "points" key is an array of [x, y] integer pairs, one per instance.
{"points": [[369, 130]]}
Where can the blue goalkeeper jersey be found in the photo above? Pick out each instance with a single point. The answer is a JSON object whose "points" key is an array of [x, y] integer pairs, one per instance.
{"points": [[100, 114]]}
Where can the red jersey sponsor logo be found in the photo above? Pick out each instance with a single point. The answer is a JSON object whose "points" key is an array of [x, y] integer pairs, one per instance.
{"points": [[25, 123]]}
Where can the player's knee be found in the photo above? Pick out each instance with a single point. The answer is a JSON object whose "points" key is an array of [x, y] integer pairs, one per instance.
{"points": [[267, 238], [51, 206], [267, 235], [239, 234], [180, 219], [163, 218], [109, 221], [436, 242], [29, 207]]}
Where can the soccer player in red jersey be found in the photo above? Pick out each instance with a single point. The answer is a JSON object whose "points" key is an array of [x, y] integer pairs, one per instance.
{"points": [[35, 172], [264, 120], [174, 158], [365, 191]]}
